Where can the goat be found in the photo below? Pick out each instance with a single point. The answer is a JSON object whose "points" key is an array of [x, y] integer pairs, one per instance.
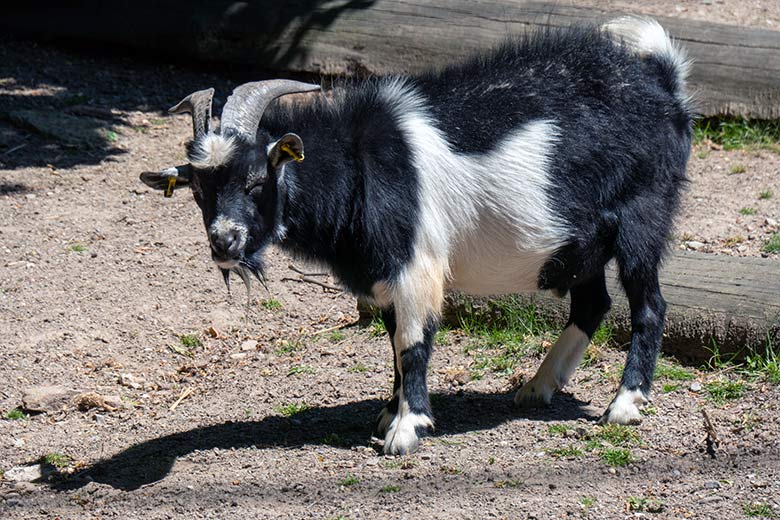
{"points": [[526, 168]]}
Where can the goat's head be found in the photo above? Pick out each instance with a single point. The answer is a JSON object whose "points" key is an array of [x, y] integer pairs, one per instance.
{"points": [[234, 172]]}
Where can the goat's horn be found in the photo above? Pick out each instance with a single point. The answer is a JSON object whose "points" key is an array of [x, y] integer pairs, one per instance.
{"points": [[199, 105], [246, 105]]}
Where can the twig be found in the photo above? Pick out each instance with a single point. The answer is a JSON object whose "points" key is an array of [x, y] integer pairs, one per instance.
{"points": [[306, 279], [15, 148], [185, 394], [712, 436], [304, 273], [337, 327]]}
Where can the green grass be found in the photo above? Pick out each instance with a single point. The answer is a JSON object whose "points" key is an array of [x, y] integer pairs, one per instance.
{"points": [[562, 453], [759, 509], [392, 488], [288, 347], [673, 372], [765, 365], [377, 327], [58, 460], [336, 336], [14, 415], [441, 336], [722, 390], [190, 341], [669, 388], [112, 136], [349, 480], [289, 410], [272, 304], [77, 248], [358, 368], [300, 369], [765, 194], [587, 501], [558, 429], [734, 133], [651, 505], [737, 169], [772, 246], [617, 457], [333, 439], [747, 211], [618, 435], [501, 333]]}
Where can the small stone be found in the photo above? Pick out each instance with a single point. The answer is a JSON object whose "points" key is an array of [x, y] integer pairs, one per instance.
{"points": [[23, 473], [710, 499], [48, 399], [238, 355], [695, 387], [131, 381], [711, 484], [24, 487], [248, 345], [770, 222], [19, 443], [694, 245]]}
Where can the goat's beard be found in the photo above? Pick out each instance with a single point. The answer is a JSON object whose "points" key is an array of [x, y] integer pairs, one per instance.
{"points": [[246, 268]]}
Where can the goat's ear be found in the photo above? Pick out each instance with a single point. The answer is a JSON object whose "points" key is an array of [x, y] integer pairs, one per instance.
{"points": [[288, 148], [168, 179]]}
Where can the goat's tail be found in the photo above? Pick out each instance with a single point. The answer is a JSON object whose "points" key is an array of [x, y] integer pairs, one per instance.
{"points": [[647, 38]]}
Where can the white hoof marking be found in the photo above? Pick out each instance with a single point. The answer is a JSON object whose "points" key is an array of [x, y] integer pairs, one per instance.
{"points": [[624, 409], [401, 437]]}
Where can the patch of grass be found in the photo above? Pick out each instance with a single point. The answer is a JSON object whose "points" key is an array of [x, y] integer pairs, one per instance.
{"points": [[441, 336], [359, 368], [336, 336], [618, 435], [765, 194], [617, 457], [735, 133], [734, 240], [349, 480], [14, 415], [649, 410], [747, 211], [587, 501], [604, 335], [737, 169], [272, 304], [378, 327], [558, 429], [669, 388], [722, 390], [288, 347], [58, 460], [759, 509], [702, 154], [673, 372], [451, 470], [501, 332], [772, 246], [111, 136], [289, 410], [390, 488], [562, 453], [511, 483], [651, 505], [77, 248], [190, 341], [765, 365], [300, 369]]}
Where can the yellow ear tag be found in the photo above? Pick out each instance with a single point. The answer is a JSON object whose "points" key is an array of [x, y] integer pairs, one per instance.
{"points": [[292, 153], [171, 185]]}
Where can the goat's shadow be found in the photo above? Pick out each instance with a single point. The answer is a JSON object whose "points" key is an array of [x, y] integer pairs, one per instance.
{"points": [[347, 425]]}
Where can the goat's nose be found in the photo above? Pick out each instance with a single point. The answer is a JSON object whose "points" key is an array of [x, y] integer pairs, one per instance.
{"points": [[225, 243]]}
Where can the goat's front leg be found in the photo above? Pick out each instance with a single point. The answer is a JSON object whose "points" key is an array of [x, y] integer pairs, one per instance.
{"points": [[412, 323]]}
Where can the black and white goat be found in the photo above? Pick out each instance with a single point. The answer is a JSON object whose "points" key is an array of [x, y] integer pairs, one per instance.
{"points": [[527, 168]]}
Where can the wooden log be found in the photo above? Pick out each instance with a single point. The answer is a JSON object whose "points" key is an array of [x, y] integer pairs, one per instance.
{"points": [[737, 69], [715, 304]]}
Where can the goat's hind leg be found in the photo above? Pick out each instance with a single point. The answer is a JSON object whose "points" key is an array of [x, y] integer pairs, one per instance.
{"points": [[589, 303]]}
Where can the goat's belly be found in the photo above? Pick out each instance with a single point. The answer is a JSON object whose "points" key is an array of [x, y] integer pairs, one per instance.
{"points": [[496, 272]]}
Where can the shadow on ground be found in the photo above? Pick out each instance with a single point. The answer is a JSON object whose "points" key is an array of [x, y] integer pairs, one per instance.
{"points": [[152, 460]]}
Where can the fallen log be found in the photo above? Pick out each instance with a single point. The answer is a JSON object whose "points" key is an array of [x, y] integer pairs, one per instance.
{"points": [[737, 69], [716, 304]]}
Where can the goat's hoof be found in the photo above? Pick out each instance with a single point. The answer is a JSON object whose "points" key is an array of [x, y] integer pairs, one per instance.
{"points": [[624, 409], [534, 393], [404, 433]]}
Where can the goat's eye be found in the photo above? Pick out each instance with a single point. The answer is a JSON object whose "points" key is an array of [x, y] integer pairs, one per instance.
{"points": [[255, 182]]}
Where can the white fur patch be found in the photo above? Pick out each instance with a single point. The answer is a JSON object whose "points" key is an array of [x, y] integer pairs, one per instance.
{"points": [[646, 36], [556, 369], [223, 225], [625, 407], [486, 218], [212, 151], [401, 437]]}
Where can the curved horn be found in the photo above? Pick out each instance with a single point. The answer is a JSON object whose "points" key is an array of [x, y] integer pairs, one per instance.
{"points": [[246, 105], [199, 105]]}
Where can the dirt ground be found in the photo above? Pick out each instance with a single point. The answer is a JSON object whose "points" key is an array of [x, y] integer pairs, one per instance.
{"points": [[100, 277]]}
